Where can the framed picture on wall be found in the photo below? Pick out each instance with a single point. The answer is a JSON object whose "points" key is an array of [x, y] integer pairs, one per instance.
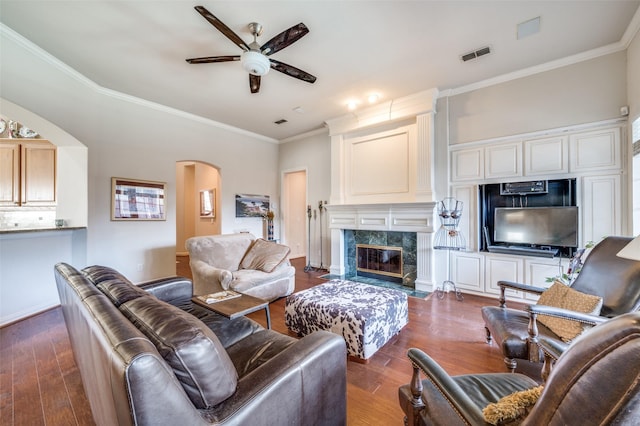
{"points": [[133, 199], [249, 205], [208, 203]]}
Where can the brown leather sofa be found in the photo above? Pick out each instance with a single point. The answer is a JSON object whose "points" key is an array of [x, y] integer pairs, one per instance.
{"points": [[148, 356]]}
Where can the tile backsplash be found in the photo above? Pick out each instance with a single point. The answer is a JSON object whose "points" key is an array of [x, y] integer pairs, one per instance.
{"points": [[40, 218]]}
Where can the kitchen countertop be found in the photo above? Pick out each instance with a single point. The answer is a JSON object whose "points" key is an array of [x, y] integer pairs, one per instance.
{"points": [[29, 230]]}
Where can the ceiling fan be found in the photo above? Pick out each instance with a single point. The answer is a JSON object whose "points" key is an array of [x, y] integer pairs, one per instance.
{"points": [[254, 57]]}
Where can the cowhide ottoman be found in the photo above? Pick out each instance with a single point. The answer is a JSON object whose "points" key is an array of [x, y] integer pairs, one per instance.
{"points": [[366, 316]]}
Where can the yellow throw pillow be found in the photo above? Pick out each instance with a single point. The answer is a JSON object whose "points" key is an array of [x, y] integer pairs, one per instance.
{"points": [[560, 295], [512, 409]]}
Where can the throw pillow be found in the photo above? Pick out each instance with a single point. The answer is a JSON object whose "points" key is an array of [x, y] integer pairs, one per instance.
{"points": [[560, 295], [192, 350], [512, 409], [264, 255]]}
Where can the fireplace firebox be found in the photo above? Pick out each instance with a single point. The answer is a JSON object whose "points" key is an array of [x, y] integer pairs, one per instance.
{"points": [[383, 260]]}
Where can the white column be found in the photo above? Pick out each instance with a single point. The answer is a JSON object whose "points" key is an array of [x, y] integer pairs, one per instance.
{"points": [[424, 259], [337, 252], [424, 169]]}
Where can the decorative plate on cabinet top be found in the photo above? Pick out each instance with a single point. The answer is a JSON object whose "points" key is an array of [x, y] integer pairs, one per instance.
{"points": [[3, 126], [26, 132]]}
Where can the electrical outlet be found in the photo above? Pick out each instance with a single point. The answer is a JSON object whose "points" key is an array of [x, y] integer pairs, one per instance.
{"points": [[140, 266]]}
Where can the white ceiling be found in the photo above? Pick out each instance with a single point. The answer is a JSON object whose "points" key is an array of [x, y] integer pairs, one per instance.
{"points": [[394, 48]]}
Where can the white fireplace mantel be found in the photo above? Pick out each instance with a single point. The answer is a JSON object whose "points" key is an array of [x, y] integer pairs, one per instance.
{"points": [[400, 217]]}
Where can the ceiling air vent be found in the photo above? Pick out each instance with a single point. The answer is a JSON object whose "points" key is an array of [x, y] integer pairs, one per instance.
{"points": [[475, 54], [281, 121]]}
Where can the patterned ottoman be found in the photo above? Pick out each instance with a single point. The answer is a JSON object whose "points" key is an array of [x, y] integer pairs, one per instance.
{"points": [[365, 315]]}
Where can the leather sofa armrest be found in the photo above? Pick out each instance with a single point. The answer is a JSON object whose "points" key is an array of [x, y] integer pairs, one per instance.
{"points": [[211, 274], [516, 286], [304, 383], [451, 391], [566, 314], [169, 288]]}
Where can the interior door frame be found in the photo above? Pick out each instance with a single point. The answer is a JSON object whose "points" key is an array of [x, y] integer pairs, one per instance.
{"points": [[285, 219]]}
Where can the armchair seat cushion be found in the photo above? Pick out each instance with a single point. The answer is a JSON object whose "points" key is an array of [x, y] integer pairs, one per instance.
{"points": [[509, 327], [481, 389], [512, 409]]}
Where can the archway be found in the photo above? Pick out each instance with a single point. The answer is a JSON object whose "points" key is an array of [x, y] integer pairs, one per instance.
{"points": [[198, 188]]}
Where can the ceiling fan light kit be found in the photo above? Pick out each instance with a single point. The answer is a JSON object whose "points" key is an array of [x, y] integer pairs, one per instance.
{"points": [[255, 63], [255, 58]]}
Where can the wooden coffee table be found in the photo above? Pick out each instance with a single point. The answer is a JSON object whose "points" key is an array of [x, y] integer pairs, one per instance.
{"points": [[239, 306]]}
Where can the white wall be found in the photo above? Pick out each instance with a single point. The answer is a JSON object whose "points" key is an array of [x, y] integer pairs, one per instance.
{"points": [[313, 154], [584, 92], [633, 78], [128, 137]]}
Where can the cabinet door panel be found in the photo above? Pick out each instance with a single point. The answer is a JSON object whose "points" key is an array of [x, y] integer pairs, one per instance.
{"points": [[9, 174], [503, 161], [545, 156], [507, 268], [538, 270], [601, 207], [39, 174], [467, 164], [597, 150], [467, 271]]}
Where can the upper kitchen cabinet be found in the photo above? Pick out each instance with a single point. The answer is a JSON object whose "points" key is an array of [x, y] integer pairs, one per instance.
{"points": [[27, 173]]}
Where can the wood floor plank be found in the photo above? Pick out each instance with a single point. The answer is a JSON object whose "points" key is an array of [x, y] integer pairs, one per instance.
{"points": [[40, 382]]}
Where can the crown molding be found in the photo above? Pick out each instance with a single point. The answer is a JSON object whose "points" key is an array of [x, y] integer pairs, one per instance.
{"points": [[622, 44], [45, 56]]}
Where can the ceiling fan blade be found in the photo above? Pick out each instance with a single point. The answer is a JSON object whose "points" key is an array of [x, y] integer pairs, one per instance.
{"points": [[254, 83], [209, 59], [284, 39], [222, 27], [292, 71]]}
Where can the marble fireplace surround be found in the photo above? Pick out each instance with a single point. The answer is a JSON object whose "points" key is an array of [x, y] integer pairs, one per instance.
{"points": [[394, 217]]}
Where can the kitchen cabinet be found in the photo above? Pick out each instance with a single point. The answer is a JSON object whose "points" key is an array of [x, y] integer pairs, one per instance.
{"points": [[27, 173]]}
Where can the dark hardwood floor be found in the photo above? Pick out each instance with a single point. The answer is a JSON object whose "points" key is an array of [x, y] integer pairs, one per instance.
{"points": [[40, 383]]}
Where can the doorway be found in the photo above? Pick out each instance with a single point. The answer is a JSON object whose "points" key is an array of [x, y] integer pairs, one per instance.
{"points": [[198, 187], [294, 212]]}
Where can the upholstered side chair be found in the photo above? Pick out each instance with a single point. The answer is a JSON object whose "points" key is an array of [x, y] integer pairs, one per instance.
{"points": [[614, 279], [596, 381]]}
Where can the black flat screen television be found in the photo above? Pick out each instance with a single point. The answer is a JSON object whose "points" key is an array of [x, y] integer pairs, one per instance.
{"points": [[537, 226]]}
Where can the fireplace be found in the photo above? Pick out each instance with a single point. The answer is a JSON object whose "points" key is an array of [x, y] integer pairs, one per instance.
{"points": [[379, 260], [408, 226]]}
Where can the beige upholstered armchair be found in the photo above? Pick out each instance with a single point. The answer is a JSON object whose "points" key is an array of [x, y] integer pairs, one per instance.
{"points": [[241, 263], [613, 280], [595, 382]]}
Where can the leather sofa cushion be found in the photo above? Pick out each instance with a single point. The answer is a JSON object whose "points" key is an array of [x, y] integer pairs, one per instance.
{"points": [[560, 295], [193, 351], [264, 255], [112, 283]]}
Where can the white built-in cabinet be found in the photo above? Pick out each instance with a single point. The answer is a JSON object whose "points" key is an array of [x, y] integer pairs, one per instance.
{"points": [[479, 273], [546, 156], [503, 160], [594, 157]]}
